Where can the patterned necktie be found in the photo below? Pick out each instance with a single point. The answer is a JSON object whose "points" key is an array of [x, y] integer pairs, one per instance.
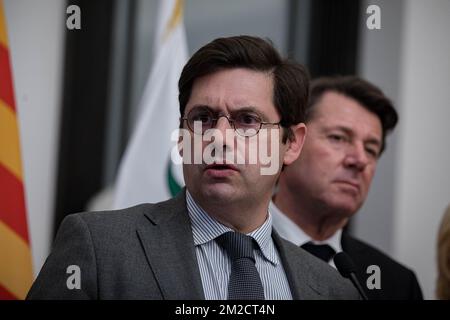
{"points": [[321, 251], [244, 283]]}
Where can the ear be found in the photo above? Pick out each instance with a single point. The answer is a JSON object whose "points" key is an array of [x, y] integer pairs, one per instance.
{"points": [[295, 144]]}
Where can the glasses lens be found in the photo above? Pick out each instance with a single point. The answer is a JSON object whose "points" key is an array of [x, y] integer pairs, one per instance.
{"points": [[200, 120], [247, 124]]}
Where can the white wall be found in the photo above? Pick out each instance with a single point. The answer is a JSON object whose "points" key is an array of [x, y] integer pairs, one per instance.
{"points": [[36, 39], [379, 62], [423, 167]]}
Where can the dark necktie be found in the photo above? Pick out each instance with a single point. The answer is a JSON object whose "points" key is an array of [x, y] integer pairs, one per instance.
{"points": [[244, 283], [321, 251]]}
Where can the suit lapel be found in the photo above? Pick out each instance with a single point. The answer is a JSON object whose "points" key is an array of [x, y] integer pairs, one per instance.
{"points": [[301, 285], [348, 245], [166, 237]]}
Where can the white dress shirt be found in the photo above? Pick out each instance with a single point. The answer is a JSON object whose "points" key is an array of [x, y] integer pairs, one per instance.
{"points": [[288, 230]]}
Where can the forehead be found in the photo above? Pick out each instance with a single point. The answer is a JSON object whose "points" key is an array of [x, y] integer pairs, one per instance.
{"points": [[335, 109], [232, 89]]}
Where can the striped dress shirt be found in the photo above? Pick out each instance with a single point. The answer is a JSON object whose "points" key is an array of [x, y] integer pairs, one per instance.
{"points": [[215, 264]]}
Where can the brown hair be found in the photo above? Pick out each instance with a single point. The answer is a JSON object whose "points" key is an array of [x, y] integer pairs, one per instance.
{"points": [[291, 80], [443, 253], [364, 92]]}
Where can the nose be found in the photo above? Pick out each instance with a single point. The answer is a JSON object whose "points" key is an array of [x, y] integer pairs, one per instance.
{"points": [[356, 157], [223, 123]]}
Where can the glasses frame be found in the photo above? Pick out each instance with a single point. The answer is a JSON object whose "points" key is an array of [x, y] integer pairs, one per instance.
{"points": [[231, 122]]}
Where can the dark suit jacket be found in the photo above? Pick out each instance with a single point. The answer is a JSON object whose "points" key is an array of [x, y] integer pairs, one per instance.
{"points": [[147, 252], [397, 281]]}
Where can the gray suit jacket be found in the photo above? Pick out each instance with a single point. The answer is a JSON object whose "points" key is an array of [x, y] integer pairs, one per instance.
{"points": [[147, 252]]}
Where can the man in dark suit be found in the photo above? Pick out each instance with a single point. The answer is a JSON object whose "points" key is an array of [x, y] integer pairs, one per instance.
{"points": [[215, 239], [348, 119]]}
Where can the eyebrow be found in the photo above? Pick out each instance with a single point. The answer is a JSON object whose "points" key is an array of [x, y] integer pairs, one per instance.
{"points": [[245, 109], [374, 141]]}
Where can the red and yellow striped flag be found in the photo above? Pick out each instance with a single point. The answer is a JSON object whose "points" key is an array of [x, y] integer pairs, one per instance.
{"points": [[16, 274]]}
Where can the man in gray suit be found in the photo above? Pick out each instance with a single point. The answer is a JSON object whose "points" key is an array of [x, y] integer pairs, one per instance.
{"points": [[215, 239]]}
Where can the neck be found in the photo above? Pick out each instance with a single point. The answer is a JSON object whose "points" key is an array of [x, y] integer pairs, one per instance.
{"points": [[242, 217], [317, 221]]}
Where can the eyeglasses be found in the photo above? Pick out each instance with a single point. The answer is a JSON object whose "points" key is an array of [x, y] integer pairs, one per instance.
{"points": [[245, 123]]}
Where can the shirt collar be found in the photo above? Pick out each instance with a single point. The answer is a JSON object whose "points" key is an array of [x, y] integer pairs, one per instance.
{"points": [[205, 228], [293, 233]]}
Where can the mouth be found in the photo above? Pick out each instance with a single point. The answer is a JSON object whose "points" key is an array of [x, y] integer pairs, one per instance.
{"points": [[224, 166], [220, 170], [351, 184]]}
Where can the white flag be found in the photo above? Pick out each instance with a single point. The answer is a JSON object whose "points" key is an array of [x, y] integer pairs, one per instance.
{"points": [[146, 172]]}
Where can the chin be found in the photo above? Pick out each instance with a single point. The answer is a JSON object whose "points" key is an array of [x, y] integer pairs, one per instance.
{"points": [[349, 210], [345, 208], [221, 192], [350, 200]]}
